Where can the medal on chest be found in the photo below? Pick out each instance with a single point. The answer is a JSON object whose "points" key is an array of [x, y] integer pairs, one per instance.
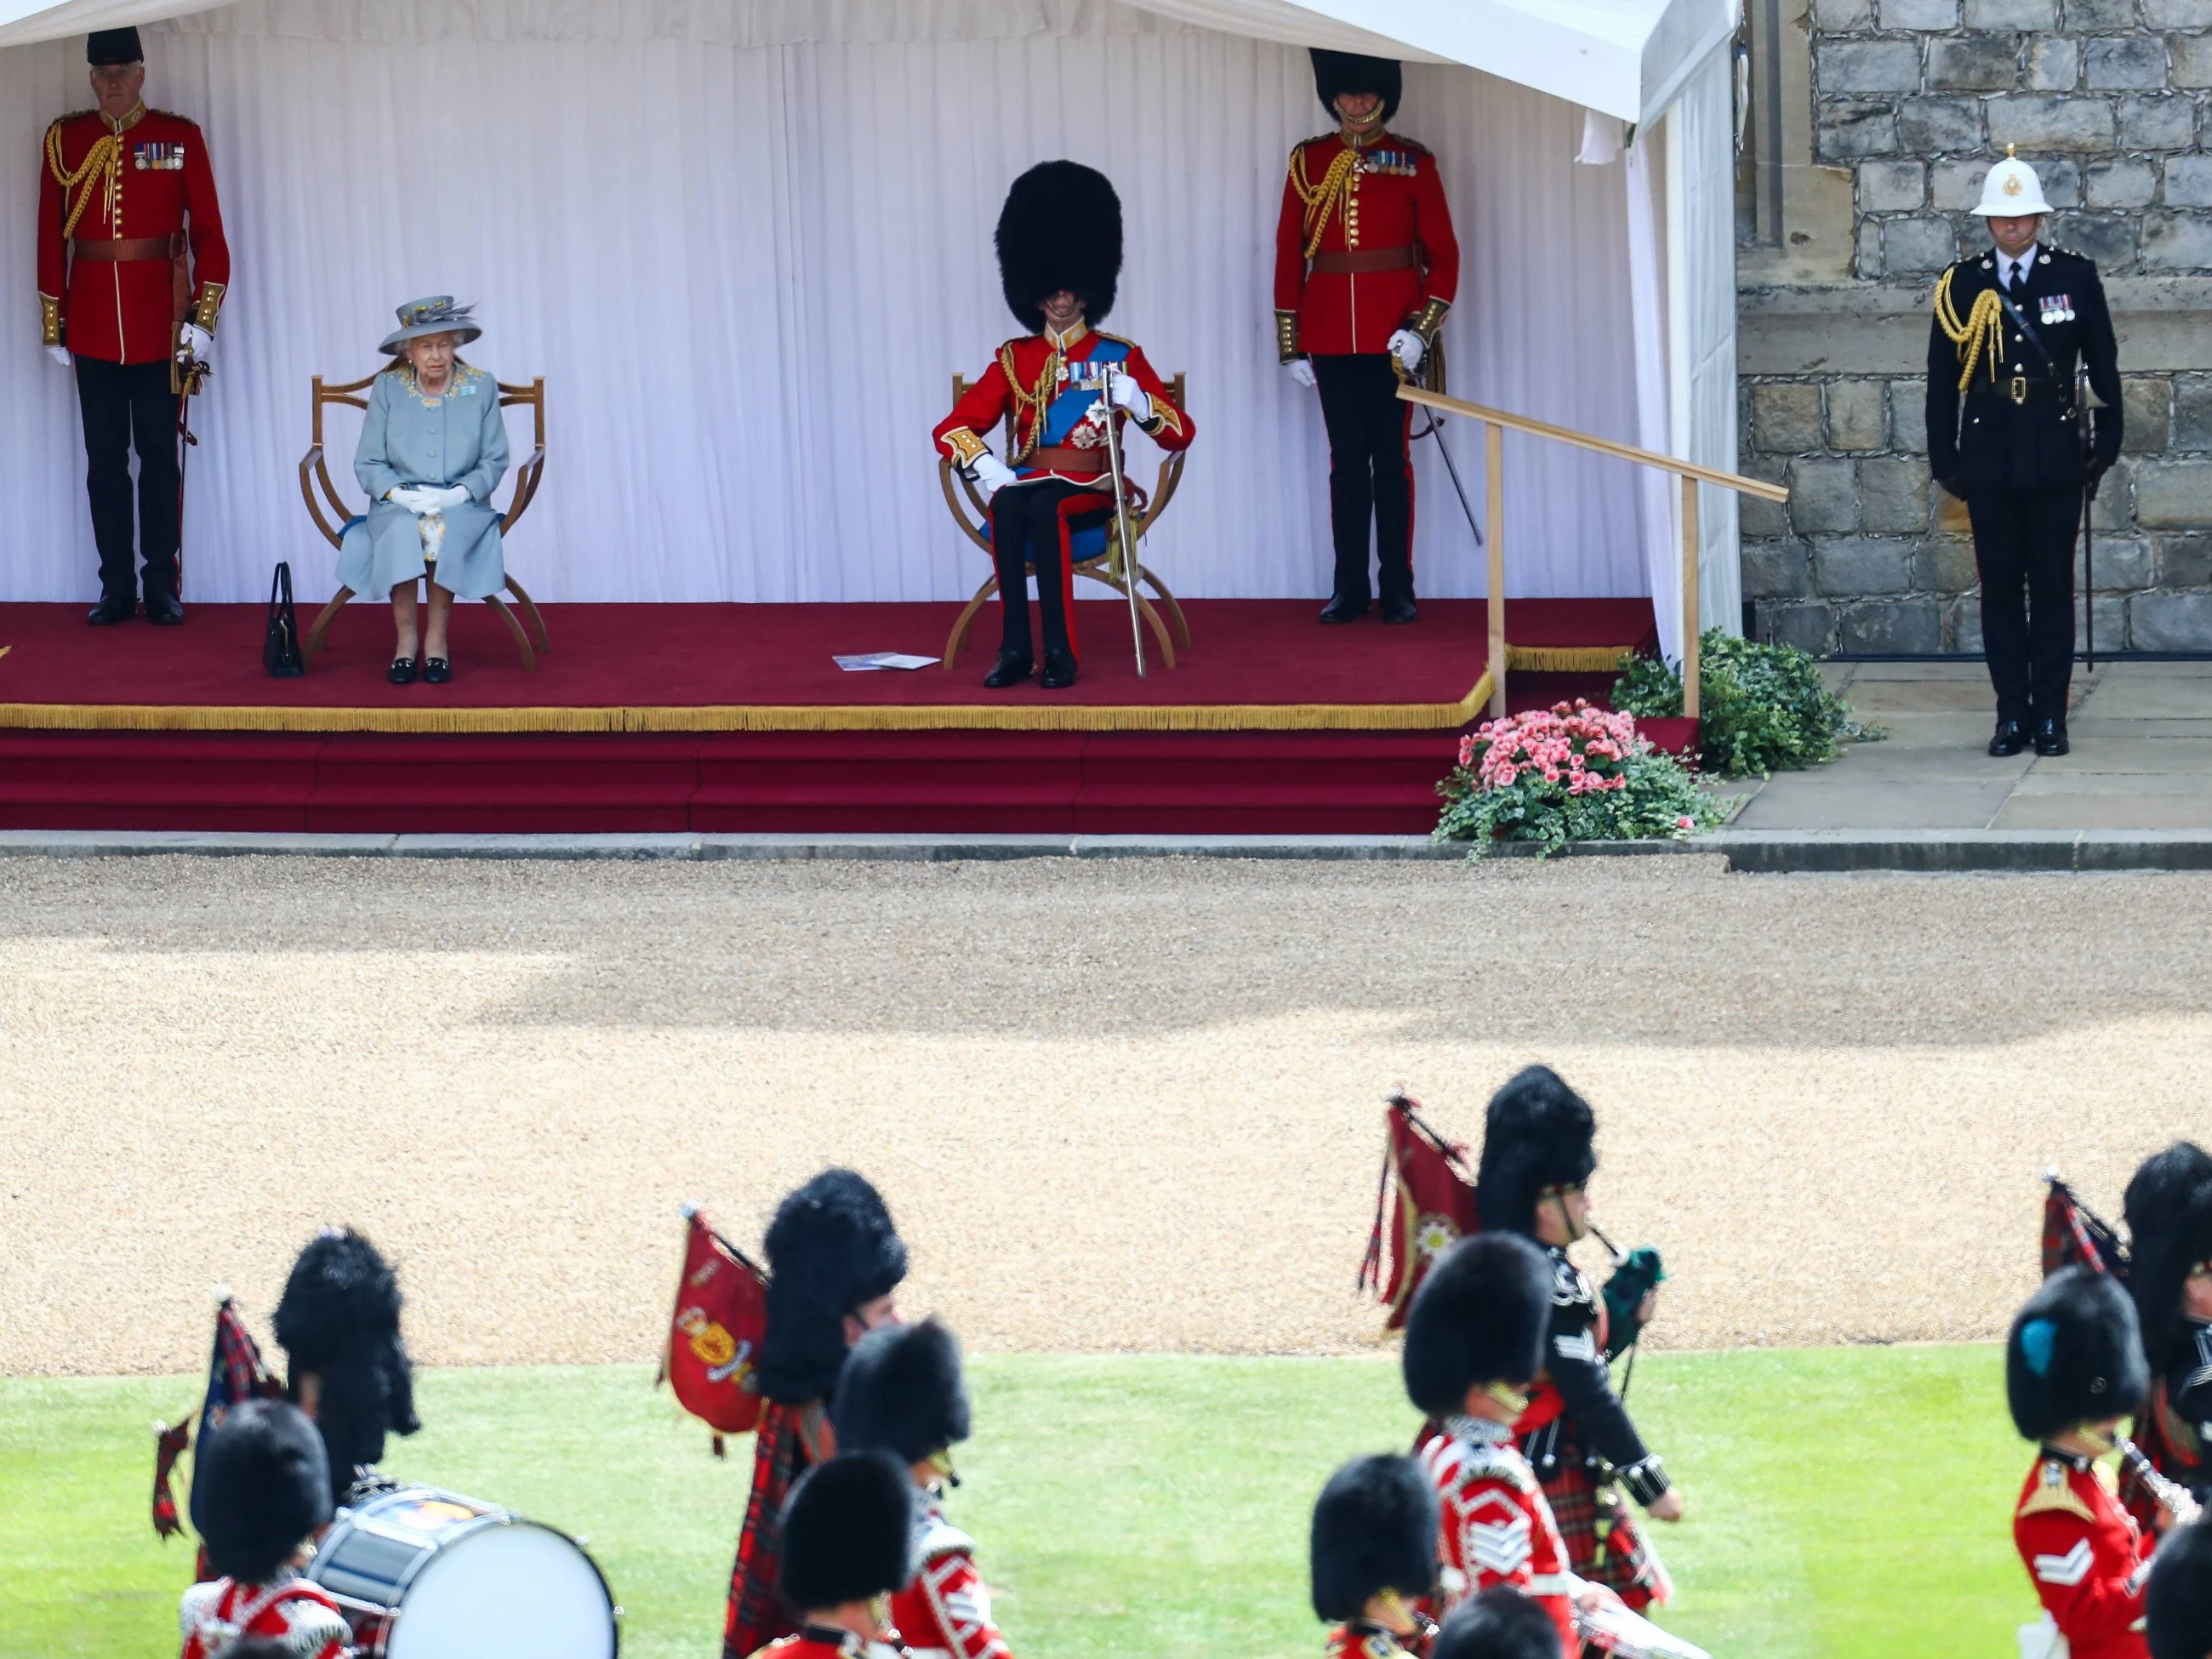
{"points": [[2056, 307], [158, 158]]}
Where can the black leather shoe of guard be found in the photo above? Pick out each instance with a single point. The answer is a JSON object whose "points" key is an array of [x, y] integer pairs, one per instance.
{"points": [[110, 611], [2049, 738], [1059, 670], [164, 610], [1400, 611], [2010, 738], [1343, 609], [1014, 667]]}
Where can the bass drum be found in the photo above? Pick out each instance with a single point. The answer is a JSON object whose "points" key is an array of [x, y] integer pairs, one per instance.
{"points": [[424, 1574]]}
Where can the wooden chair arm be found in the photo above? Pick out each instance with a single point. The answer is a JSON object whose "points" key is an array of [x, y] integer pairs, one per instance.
{"points": [[945, 474], [1162, 491], [312, 470], [525, 489]]}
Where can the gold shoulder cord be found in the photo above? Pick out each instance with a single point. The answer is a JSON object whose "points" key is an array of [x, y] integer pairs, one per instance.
{"points": [[1982, 328], [1321, 198], [1033, 400], [104, 157]]}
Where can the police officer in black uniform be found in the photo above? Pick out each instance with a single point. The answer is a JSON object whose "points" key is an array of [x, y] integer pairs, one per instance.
{"points": [[2005, 428]]}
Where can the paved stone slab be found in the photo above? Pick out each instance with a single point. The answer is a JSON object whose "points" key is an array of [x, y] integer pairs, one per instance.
{"points": [[2088, 812], [1878, 806]]}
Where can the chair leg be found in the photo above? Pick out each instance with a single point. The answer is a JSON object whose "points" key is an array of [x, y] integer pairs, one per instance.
{"points": [[1175, 609], [958, 636], [1098, 574], [530, 609], [521, 639], [319, 630]]}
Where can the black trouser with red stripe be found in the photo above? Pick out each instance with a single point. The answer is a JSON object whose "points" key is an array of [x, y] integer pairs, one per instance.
{"points": [[1031, 524], [1371, 472], [124, 406]]}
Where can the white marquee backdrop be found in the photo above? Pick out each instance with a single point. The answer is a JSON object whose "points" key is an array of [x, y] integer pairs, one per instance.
{"points": [[749, 271]]}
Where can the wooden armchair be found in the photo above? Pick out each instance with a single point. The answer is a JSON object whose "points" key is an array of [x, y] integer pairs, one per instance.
{"points": [[314, 472], [1096, 553]]}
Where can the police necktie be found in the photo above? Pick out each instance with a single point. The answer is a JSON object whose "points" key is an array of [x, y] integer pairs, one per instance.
{"points": [[2018, 287]]}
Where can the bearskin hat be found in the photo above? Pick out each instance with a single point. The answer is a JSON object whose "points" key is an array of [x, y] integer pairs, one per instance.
{"points": [[2169, 1213], [901, 1393], [339, 1318], [2178, 1611], [847, 1532], [261, 1484], [1501, 1622], [1479, 1316], [1336, 72], [2074, 1354], [1536, 1134], [1374, 1529], [1060, 228], [831, 1247]]}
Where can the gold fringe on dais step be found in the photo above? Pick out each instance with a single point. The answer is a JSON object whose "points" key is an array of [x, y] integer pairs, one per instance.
{"points": [[1569, 659]]}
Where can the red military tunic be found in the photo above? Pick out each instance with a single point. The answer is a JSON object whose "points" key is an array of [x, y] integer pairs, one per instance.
{"points": [[1496, 1528], [1363, 246], [819, 1642], [299, 1616], [945, 1613], [1046, 389], [1365, 1641], [2088, 1559], [115, 200]]}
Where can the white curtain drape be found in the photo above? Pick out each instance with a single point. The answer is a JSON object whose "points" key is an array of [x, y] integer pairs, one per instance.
{"points": [[1658, 495], [1701, 243], [747, 272]]}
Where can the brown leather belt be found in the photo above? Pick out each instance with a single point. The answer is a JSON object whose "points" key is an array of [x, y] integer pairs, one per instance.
{"points": [[1358, 262], [1084, 463], [128, 250]]}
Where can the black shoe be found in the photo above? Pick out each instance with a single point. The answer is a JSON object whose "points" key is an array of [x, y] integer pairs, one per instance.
{"points": [[401, 671], [436, 671], [111, 610], [1400, 611], [1013, 668], [165, 609], [1059, 670], [1343, 609], [2010, 738], [2049, 738]]}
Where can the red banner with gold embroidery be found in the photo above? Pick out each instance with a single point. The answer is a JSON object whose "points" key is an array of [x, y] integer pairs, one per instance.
{"points": [[1423, 1205], [714, 1334]]}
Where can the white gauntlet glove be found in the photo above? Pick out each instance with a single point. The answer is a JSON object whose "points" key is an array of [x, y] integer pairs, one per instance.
{"points": [[991, 475], [415, 499], [60, 354], [1126, 394], [1407, 347], [1301, 371], [195, 340]]}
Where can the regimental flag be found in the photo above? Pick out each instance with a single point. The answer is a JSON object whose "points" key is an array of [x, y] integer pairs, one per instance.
{"points": [[714, 1334], [1423, 1205], [2073, 1236], [236, 1372]]}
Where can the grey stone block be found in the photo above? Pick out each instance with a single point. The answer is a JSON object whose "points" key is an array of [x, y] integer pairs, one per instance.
{"points": [[1893, 494], [1777, 570], [2178, 13], [1843, 16], [2157, 123], [2192, 412], [2039, 121], [2173, 494], [2127, 183], [2147, 408], [2177, 241], [1856, 414], [1911, 244], [2125, 63], [1868, 65], [2012, 14], [1918, 13], [1955, 186], [1908, 416], [2109, 241], [2172, 622], [2097, 17], [1847, 131], [2184, 561], [1891, 186], [2192, 60], [1962, 625], [1933, 126], [1974, 63], [1866, 259], [2111, 624], [2124, 564], [2054, 63], [1913, 626], [1824, 497], [1844, 569], [1786, 416], [2115, 505], [1761, 518], [2061, 185], [1808, 626], [2188, 181], [1944, 566]]}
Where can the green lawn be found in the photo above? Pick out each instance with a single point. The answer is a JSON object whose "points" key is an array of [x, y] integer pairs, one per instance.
{"points": [[1849, 1502]]}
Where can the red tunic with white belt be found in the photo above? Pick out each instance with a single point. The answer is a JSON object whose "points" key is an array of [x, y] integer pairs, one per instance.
{"points": [[298, 1616], [2089, 1561], [946, 1611], [1363, 246], [1048, 388], [119, 203], [1497, 1528]]}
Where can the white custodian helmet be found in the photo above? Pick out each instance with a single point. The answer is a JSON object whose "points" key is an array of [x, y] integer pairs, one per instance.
{"points": [[2012, 191]]}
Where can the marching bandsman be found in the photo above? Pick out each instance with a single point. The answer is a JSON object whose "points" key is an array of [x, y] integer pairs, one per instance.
{"points": [[1499, 1624], [1366, 267], [1538, 1155], [124, 192], [1059, 256], [346, 1365], [2177, 1615], [2169, 1207], [260, 1493], [1373, 1556], [834, 1262], [2005, 426], [2073, 1367], [847, 1536], [901, 1394]]}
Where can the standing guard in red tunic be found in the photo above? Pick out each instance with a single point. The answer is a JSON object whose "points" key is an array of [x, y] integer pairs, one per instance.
{"points": [[1366, 265], [1060, 255], [834, 1259], [2073, 1367], [1374, 1558], [118, 186], [847, 1535], [901, 1394]]}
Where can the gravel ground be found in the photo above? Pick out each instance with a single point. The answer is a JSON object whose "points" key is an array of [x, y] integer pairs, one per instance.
{"points": [[1113, 1105]]}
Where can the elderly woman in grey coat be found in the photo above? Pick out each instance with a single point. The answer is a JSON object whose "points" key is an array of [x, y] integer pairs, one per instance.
{"points": [[432, 450]]}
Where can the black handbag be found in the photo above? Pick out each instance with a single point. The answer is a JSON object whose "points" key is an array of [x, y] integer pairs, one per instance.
{"points": [[280, 640]]}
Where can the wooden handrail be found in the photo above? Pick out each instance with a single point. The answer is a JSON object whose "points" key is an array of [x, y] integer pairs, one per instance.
{"points": [[1496, 421]]}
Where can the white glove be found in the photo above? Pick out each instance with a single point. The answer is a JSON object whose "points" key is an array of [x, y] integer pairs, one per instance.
{"points": [[451, 496], [992, 475], [1409, 349], [60, 354], [192, 339], [1301, 371], [415, 499], [1126, 394]]}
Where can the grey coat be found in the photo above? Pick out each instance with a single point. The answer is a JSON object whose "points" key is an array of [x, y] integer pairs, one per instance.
{"points": [[455, 438]]}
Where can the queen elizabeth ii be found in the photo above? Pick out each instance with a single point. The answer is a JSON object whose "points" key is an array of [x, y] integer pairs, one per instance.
{"points": [[432, 450]]}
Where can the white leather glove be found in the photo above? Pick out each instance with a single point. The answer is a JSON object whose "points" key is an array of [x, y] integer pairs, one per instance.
{"points": [[415, 499], [198, 341], [451, 496], [992, 475], [60, 354], [1301, 371], [1408, 347], [1126, 394]]}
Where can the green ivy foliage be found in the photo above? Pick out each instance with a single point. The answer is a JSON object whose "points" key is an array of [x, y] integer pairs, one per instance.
{"points": [[1763, 707]]}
